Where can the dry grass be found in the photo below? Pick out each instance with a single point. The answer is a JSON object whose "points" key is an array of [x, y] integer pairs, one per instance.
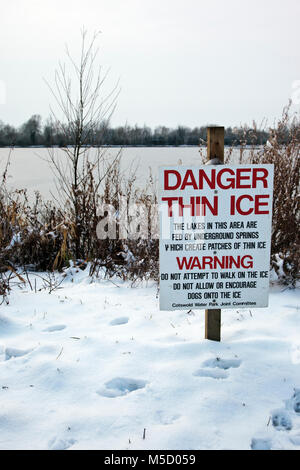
{"points": [[41, 236]]}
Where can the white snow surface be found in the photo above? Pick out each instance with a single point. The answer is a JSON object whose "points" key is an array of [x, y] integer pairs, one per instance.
{"points": [[96, 365]]}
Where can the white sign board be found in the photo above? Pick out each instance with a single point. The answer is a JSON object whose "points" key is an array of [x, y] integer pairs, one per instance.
{"points": [[215, 236]]}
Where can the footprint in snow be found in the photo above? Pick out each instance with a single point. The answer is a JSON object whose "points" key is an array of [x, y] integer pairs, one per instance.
{"points": [[60, 444], [13, 353], [294, 402], [281, 420], [53, 328], [215, 368], [213, 373], [119, 321], [261, 444], [121, 386], [222, 363]]}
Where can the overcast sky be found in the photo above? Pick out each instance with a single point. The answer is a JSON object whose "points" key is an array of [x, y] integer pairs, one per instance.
{"points": [[190, 62]]}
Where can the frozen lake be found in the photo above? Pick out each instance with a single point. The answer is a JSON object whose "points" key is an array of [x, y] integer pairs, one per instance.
{"points": [[29, 168]]}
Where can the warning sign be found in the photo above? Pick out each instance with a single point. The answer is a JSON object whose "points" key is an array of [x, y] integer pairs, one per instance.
{"points": [[215, 236]]}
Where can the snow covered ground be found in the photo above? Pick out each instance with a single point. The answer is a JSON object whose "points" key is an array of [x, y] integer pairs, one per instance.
{"points": [[98, 366]]}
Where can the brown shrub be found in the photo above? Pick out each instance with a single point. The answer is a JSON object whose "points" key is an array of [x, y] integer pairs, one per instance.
{"points": [[282, 150]]}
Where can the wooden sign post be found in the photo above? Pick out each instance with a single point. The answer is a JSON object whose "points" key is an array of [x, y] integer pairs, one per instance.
{"points": [[215, 235], [215, 156]]}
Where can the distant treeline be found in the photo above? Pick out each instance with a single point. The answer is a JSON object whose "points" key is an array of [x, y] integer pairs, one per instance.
{"points": [[34, 133]]}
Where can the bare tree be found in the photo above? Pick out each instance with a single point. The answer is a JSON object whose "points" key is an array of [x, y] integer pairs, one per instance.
{"points": [[85, 113]]}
